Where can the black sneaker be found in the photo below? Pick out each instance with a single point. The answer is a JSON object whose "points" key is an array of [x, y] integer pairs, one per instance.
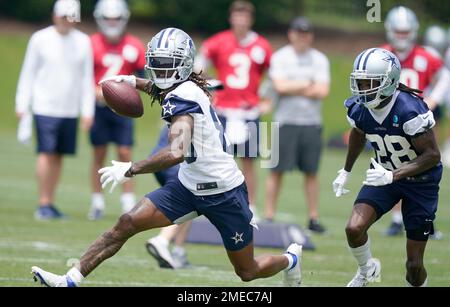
{"points": [[395, 229], [316, 227]]}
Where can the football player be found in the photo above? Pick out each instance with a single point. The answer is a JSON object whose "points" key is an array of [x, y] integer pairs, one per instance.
{"points": [[420, 69], [209, 181], [398, 124], [240, 57], [115, 52], [158, 246]]}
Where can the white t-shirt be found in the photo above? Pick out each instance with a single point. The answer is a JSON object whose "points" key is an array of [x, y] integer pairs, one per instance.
{"points": [[208, 168], [287, 64], [57, 77]]}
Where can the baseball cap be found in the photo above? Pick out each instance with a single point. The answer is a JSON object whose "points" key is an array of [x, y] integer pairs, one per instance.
{"points": [[67, 8], [301, 24]]}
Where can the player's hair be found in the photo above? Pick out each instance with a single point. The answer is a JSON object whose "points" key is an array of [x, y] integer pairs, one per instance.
{"points": [[157, 95], [413, 91], [242, 6]]}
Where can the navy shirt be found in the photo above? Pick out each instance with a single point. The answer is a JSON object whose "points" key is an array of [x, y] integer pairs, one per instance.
{"points": [[390, 130]]}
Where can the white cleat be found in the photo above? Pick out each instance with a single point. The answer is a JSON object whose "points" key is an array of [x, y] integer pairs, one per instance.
{"points": [[373, 274], [161, 253], [293, 277], [51, 280]]}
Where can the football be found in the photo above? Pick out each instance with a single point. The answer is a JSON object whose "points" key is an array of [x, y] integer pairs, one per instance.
{"points": [[122, 98]]}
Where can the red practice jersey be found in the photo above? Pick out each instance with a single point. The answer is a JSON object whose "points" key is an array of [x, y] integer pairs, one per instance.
{"points": [[419, 68], [124, 58], [240, 67]]}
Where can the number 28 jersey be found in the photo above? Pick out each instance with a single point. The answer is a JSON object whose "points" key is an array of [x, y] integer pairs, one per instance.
{"points": [[240, 66], [391, 130], [123, 58]]}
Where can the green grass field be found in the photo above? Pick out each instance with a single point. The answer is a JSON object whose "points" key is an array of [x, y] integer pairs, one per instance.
{"points": [[25, 242]]}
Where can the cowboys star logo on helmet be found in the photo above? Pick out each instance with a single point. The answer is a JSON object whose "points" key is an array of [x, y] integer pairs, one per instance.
{"points": [[382, 69], [170, 57]]}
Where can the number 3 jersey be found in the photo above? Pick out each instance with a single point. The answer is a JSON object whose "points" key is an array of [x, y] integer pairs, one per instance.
{"points": [[123, 58], [240, 66], [208, 169], [390, 130]]}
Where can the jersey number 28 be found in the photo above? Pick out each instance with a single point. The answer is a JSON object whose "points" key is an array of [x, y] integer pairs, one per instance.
{"points": [[395, 145]]}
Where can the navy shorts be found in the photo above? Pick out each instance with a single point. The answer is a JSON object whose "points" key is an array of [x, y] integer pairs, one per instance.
{"points": [[110, 127], [229, 212], [56, 135], [170, 173], [249, 149], [419, 196]]}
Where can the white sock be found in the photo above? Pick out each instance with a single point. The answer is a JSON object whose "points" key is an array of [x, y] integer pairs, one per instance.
{"points": [[397, 217], [362, 254], [75, 275], [128, 200], [290, 258], [162, 240], [425, 283], [98, 201]]}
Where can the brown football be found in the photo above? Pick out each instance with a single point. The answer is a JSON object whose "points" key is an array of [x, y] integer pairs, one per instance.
{"points": [[122, 98]]}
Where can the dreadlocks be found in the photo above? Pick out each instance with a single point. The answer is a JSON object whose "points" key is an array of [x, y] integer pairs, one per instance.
{"points": [[413, 91], [157, 94]]}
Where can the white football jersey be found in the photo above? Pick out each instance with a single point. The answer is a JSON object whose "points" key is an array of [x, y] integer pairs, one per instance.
{"points": [[208, 169]]}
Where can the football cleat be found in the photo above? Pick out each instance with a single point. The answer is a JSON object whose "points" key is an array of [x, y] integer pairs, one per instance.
{"points": [[373, 274], [292, 277], [161, 253], [51, 280]]}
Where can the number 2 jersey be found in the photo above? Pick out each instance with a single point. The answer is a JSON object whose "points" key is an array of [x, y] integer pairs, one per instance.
{"points": [[123, 58], [208, 169], [391, 129]]}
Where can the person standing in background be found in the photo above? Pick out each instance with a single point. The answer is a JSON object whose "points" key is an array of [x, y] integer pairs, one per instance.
{"points": [[115, 52], [56, 81], [301, 78], [240, 57]]}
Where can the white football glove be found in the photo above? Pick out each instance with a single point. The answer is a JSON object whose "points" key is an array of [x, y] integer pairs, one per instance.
{"points": [[130, 79], [339, 183], [114, 174], [378, 176]]}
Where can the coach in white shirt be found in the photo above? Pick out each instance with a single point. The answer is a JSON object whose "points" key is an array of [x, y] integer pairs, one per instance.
{"points": [[300, 76], [56, 82]]}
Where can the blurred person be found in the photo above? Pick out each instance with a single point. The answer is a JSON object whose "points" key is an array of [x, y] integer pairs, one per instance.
{"points": [[56, 81], [115, 52], [301, 78], [209, 181], [420, 69], [240, 57], [435, 41], [446, 147], [398, 124]]}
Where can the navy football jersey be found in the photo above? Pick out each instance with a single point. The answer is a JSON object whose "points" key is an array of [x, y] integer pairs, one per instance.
{"points": [[391, 129]]}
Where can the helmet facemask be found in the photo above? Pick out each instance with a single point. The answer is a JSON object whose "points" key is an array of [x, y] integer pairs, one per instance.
{"points": [[370, 96], [171, 61]]}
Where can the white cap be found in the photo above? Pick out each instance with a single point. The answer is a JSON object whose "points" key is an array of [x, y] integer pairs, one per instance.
{"points": [[69, 9]]}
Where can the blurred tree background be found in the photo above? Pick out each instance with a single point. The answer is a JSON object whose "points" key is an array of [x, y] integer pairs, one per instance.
{"points": [[210, 16]]}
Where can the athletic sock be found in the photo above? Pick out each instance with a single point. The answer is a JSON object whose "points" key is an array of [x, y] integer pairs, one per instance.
{"points": [[74, 276], [362, 254], [397, 217], [98, 201]]}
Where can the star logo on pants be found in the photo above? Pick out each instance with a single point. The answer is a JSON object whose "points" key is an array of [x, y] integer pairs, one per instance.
{"points": [[237, 238]]}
